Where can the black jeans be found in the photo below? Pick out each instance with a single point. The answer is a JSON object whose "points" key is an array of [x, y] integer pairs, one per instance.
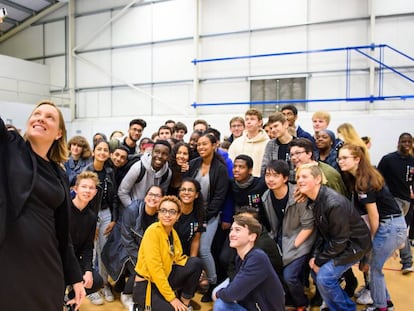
{"points": [[182, 278]]}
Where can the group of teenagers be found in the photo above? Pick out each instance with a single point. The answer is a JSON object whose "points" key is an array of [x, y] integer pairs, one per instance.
{"points": [[165, 218]]}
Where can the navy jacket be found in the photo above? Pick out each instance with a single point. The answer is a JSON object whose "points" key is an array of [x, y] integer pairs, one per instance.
{"points": [[256, 285]]}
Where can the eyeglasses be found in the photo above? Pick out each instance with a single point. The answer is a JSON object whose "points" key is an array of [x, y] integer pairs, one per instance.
{"points": [[171, 212], [186, 190], [343, 158], [154, 195], [297, 153]]}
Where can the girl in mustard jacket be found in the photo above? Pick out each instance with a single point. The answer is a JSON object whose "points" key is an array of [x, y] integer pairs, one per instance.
{"points": [[162, 268]]}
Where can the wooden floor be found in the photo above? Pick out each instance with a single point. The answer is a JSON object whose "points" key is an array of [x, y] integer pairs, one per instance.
{"points": [[401, 289]]}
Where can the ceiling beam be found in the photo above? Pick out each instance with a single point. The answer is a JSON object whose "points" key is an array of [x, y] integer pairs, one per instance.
{"points": [[31, 20], [18, 7]]}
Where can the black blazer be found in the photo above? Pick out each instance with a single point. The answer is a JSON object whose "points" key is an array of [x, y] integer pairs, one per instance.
{"points": [[18, 172]]}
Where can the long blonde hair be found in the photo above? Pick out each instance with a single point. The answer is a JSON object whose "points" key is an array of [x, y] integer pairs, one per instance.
{"points": [[350, 136]]}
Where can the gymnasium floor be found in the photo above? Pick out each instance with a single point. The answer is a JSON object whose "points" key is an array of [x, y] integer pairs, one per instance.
{"points": [[401, 288]]}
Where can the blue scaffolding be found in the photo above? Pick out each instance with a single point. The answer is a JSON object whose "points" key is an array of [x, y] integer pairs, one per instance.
{"points": [[362, 50]]}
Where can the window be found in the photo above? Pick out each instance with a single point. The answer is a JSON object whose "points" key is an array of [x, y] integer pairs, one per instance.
{"points": [[277, 89]]}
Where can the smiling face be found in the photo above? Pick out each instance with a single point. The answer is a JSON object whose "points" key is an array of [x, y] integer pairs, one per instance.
{"points": [[85, 189], [319, 124], [405, 144], [168, 213], [299, 156], [101, 151], [119, 157], [278, 129], [179, 134], [323, 140], [275, 180], [240, 236], [182, 156], [236, 128], [153, 197], [308, 184], [187, 192], [205, 147], [43, 126], [160, 155], [347, 162], [241, 172]]}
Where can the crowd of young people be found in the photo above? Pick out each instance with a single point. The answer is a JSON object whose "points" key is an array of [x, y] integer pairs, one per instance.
{"points": [[305, 206]]}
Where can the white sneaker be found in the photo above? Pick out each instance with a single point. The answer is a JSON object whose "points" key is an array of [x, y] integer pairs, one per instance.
{"points": [[358, 293], [365, 298], [106, 291], [127, 301], [323, 306], [95, 298], [407, 270]]}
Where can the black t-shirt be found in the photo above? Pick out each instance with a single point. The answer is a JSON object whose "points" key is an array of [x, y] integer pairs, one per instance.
{"points": [[148, 220], [279, 205], [386, 204], [186, 227]]}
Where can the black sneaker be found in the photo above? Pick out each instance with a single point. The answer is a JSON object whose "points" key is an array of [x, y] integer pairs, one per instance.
{"points": [[390, 306], [207, 295]]}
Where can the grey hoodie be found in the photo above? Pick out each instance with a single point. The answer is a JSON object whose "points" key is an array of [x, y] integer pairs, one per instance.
{"points": [[130, 190]]}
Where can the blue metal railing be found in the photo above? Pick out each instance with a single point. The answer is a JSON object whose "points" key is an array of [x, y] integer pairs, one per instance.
{"points": [[359, 49]]}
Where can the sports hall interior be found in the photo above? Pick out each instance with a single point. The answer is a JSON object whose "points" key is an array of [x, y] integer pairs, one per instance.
{"points": [[105, 62]]}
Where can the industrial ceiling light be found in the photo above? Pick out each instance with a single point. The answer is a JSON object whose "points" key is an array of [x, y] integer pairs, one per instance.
{"points": [[3, 14]]}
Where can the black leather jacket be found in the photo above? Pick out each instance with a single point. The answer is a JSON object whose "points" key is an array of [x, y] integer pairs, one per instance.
{"points": [[342, 234], [111, 189]]}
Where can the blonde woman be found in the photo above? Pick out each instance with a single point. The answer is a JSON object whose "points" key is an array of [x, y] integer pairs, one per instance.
{"points": [[36, 253]]}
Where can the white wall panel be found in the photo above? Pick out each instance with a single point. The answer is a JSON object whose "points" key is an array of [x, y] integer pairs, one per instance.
{"points": [[227, 46], [326, 10], [218, 16], [88, 25], [276, 13], [133, 64], [55, 38], [94, 104], [173, 61], [134, 27], [396, 33], [174, 19], [57, 76], [386, 7], [222, 93], [88, 75], [279, 41], [131, 103], [26, 44], [173, 100], [94, 5]]}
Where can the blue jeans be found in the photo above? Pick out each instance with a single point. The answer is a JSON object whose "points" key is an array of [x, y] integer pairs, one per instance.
{"points": [[104, 219], [405, 253], [390, 235], [205, 249], [293, 276], [220, 305], [327, 280]]}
